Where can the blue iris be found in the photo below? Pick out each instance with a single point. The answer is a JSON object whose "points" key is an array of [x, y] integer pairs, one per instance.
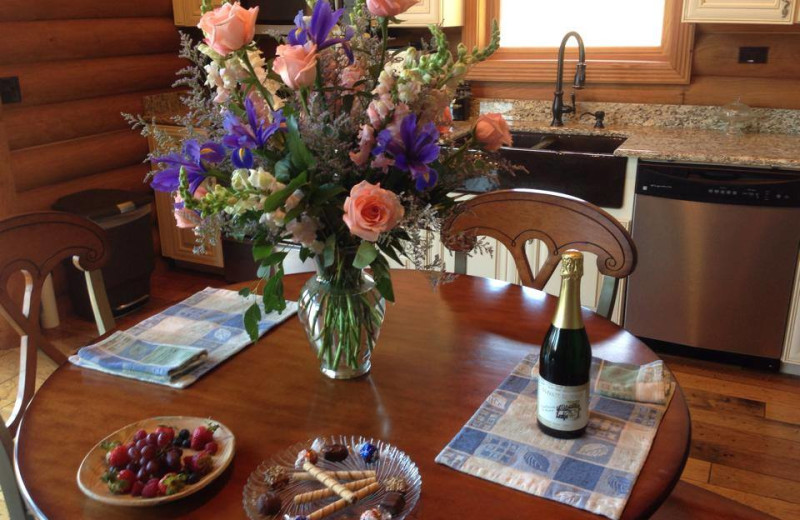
{"points": [[323, 20], [194, 159], [412, 149], [243, 136]]}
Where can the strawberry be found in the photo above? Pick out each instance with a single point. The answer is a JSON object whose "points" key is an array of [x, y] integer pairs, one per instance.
{"points": [[118, 457], [202, 435], [150, 490], [119, 483], [201, 463], [171, 483]]}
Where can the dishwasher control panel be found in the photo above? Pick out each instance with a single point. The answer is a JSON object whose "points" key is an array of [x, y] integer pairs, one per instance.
{"points": [[718, 184]]}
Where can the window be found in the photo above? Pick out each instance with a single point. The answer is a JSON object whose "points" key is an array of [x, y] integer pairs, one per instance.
{"points": [[601, 23], [627, 41]]}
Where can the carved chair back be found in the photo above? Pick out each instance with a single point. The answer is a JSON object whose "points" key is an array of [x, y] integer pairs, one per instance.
{"points": [[34, 244], [561, 222]]}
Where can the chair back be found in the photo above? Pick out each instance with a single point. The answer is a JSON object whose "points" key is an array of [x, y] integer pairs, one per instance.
{"points": [[34, 244], [561, 222], [8, 480]]}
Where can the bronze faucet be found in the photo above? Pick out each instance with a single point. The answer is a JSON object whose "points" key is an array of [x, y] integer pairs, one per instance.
{"points": [[580, 78]]}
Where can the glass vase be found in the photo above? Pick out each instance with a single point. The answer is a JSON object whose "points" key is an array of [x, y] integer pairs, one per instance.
{"points": [[342, 312]]}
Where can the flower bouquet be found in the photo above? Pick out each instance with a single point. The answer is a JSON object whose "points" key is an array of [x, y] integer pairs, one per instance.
{"points": [[337, 145]]}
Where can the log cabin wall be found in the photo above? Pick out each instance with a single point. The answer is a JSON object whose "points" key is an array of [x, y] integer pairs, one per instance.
{"points": [[79, 63], [717, 77]]}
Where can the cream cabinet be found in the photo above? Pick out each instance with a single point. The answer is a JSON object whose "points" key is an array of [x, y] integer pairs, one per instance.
{"points": [[740, 11], [447, 13], [178, 243], [186, 13]]}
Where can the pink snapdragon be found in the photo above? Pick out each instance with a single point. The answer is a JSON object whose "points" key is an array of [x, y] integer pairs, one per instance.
{"points": [[366, 140]]}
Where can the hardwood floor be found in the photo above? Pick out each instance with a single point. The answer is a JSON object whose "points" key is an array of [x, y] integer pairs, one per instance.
{"points": [[745, 423]]}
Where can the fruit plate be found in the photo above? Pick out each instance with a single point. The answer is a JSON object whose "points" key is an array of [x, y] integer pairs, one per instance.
{"points": [[94, 464], [392, 462]]}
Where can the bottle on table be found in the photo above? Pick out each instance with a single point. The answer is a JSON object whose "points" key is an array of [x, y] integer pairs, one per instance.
{"points": [[565, 360]]}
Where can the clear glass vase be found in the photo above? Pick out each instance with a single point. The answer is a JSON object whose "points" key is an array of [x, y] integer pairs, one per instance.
{"points": [[342, 312]]}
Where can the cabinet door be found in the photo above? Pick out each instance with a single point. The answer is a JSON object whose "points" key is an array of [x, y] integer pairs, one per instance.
{"points": [[739, 11], [448, 13], [186, 13]]}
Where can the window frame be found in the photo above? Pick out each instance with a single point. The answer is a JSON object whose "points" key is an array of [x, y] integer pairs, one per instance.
{"points": [[670, 63]]}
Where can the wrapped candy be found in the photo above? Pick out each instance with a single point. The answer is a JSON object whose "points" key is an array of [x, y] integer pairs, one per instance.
{"points": [[306, 456], [373, 514], [368, 452]]}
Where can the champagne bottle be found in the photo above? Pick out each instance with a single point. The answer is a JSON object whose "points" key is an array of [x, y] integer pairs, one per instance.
{"points": [[565, 360]]}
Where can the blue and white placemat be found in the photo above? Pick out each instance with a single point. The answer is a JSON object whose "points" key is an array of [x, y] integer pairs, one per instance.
{"points": [[596, 472], [178, 345]]}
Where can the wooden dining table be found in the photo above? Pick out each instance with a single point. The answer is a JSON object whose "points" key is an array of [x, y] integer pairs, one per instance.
{"points": [[440, 354]]}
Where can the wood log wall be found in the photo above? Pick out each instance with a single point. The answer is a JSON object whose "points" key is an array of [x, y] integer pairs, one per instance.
{"points": [[717, 77], [79, 63]]}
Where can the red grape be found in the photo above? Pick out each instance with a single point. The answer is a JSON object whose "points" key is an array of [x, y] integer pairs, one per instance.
{"points": [[149, 453], [141, 434], [152, 439], [163, 440]]}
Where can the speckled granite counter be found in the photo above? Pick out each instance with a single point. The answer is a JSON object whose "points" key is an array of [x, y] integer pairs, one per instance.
{"points": [[691, 134], [690, 145]]}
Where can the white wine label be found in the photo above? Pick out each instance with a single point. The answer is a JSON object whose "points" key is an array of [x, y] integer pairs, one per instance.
{"points": [[563, 408]]}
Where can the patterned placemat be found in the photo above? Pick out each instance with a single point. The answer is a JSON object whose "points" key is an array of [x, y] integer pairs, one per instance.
{"points": [[210, 321], [502, 443]]}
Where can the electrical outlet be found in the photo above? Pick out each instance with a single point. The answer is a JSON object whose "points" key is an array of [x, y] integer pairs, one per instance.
{"points": [[753, 54], [9, 90]]}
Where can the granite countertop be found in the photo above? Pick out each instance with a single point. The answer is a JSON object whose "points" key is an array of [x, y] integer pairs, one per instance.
{"points": [[688, 145]]}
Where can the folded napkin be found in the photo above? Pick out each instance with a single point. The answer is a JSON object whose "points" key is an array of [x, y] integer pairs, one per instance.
{"points": [[650, 383], [123, 351], [180, 344]]}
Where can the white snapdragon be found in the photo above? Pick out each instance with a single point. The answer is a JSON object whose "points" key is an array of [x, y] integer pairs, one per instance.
{"points": [[261, 179], [239, 179]]}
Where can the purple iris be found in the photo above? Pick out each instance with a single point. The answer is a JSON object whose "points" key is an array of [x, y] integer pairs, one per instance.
{"points": [[194, 160], [242, 137], [413, 148], [323, 20]]}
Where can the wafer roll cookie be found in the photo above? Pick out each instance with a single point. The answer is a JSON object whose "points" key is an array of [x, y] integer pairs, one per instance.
{"points": [[342, 503], [319, 494], [329, 482], [342, 475]]}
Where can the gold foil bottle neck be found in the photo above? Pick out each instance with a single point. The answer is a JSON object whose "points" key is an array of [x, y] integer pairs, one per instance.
{"points": [[571, 264]]}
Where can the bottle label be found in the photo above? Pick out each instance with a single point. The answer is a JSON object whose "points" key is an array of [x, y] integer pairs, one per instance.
{"points": [[563, 408]]}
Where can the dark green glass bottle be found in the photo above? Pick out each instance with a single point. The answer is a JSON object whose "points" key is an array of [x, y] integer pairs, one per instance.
{"points": [[565, 360]]}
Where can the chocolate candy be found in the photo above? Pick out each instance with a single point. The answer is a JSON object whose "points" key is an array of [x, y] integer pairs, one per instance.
{"points": [[268, 504], [276, 477], [368, 452], [393, 501], [335, 452], [398, 484]]}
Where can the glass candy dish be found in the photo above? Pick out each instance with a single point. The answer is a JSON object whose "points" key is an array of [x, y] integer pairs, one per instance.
{"points": [[392, 462]]}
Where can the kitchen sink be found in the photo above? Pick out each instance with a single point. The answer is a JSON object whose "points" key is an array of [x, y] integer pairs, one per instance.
{"points": [[580, 165]]}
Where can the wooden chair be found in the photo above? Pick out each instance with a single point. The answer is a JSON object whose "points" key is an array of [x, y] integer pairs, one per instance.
{"points": [[34, 244], [561, 222], [8, 480]]}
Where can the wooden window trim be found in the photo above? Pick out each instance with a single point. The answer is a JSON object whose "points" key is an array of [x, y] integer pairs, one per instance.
{"points": [[669, 64]]}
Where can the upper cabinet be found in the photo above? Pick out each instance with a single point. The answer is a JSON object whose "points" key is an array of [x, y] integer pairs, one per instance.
{"points": [[447, 13], [186, 13], [740, 11]]}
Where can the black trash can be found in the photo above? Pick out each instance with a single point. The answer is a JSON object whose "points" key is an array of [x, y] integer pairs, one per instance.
{"points": [[125, 216]]}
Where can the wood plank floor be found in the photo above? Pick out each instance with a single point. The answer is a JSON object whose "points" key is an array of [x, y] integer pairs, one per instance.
{"points": [[745, 423]]}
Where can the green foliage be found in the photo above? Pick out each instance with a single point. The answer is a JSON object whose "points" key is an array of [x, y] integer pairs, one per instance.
{"points": [[365, 255]]}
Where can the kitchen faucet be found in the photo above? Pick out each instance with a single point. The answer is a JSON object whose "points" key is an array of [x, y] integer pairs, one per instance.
{"points": [[580, 78]]}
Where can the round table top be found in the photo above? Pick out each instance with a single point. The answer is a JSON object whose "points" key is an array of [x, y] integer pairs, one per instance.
{"points": [[440, 354]]}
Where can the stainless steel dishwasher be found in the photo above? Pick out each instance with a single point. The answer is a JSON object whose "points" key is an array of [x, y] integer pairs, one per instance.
{"points": [[718, 253]]}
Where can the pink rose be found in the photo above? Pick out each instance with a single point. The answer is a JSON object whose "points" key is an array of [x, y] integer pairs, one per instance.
{"points": [[492, 130], [229, 27], [390, 7], [296, 65], [370, 211]]}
